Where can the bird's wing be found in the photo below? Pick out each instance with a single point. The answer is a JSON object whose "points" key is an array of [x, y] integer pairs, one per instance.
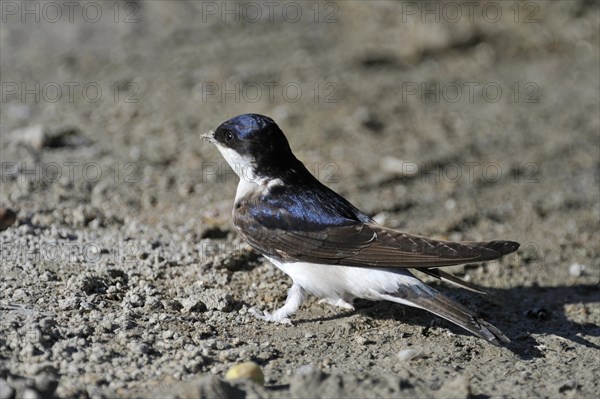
{"points": [[364, 245]]}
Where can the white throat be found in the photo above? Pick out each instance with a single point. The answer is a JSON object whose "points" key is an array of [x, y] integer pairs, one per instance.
{"points": [[242, 166]]}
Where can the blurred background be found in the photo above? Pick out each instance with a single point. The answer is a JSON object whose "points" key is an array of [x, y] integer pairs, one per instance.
{"points": [[460, 120], [133, 84]]}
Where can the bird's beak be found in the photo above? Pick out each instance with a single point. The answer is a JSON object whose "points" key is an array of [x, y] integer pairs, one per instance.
{"points": [[209, 136]]}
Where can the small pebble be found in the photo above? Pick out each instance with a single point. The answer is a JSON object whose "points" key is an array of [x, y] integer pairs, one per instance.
{"points": [[408, 354], [398, 167], [576, 269], [450, 204], [246, 371], [35, 136], [305, 369], [40, 136]]}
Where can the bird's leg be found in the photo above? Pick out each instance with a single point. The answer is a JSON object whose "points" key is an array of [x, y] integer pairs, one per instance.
{"points": [[294, 299], [340, 303]]}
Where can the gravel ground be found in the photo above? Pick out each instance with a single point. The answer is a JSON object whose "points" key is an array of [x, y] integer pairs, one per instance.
{"points": [[122, 275]]}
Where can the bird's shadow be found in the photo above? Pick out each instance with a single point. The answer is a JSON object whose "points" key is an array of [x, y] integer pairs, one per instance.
{"points": [[519, 312]]}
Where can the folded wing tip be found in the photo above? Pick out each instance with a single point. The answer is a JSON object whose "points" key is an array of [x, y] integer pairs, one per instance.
{"points": [[499, 247], [509, 247]]}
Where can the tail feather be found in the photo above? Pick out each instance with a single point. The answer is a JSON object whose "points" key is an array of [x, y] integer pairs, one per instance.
{"points": [[444, 307], [442, 275]]}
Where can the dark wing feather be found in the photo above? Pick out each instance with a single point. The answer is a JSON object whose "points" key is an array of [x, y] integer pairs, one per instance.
{"points": [[364, 244], [317, 225]]}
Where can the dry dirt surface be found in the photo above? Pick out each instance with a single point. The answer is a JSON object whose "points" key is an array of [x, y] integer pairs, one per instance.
{"points": [[121, 275]]}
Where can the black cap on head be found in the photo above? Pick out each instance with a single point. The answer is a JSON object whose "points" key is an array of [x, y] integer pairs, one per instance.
{"points": [[256, 137]]}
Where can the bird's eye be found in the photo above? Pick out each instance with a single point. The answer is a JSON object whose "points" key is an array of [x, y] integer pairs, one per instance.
{"points": [[229, 137]]}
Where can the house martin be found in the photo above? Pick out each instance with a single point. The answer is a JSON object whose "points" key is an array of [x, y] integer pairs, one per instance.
{"points": [[326, 245]]}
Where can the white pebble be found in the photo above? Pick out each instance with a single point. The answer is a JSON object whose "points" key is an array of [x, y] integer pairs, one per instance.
{"points": [[305, 369], [398, 167], [450, 204], [576, 269], [408, 354]]}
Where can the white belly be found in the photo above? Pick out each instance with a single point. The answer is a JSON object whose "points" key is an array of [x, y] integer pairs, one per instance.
{"points": [[344, 282]]}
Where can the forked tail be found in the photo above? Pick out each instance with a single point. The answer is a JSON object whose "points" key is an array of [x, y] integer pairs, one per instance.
{"points": [[440, 305]]}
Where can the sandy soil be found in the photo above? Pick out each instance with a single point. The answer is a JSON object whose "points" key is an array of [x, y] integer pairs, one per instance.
{"points": [[122, 276]]}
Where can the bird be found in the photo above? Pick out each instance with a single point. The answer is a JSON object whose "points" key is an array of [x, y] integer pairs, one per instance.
{"points": [[327, 246]]}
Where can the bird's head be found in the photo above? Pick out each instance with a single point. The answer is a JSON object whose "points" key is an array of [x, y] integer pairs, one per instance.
{"points": [[253, 145]]}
